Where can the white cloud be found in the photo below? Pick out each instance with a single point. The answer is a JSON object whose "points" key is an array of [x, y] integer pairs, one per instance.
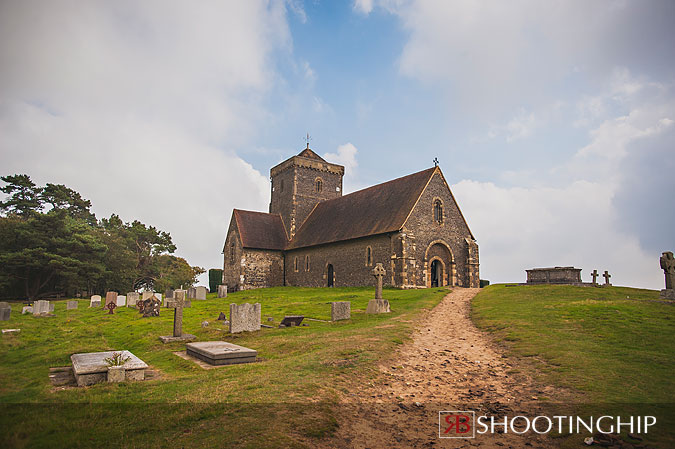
{"points": [[140, 106], [346, 156], [363, 6]]}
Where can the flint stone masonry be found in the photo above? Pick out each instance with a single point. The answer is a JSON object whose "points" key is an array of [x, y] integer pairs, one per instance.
{"points": [[5, 310], [121, 301], [221, 352], [245, 317], [41, 308], [132, 299], [340, 310], [95, 301], [90, 368], [71, 305], [554, 275], [222, 291], [378, 306], [200, 293]]}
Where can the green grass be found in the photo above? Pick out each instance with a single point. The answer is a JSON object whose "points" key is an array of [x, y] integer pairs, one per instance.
{"points": [[607, 349], [288, 400]]}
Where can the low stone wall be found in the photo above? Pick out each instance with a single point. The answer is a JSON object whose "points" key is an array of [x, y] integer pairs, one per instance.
{"points": [[554, 275]]}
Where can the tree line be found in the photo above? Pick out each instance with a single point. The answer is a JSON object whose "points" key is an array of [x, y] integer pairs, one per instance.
{"points": [[51, 244]]}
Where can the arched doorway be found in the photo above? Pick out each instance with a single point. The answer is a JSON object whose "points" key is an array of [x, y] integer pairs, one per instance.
{"points": [[436, 273], [330, 275]]}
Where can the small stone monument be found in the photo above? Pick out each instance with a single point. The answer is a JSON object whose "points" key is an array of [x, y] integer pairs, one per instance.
{"points": [[222, 291], [200, 293], [121, 301], [220, 352], [340, 310], [192, 293], [5, 310], [168, 294], [245, 317], [110, 297], [26, 309], [177, 305], [147, 294], [595, 275], [95, 301], [149, 307], [606, 275], [41, 308], [111, 306], [378, 305], [71, 305], [668, 266], [90, 368], [132, 299], [292, 321]]}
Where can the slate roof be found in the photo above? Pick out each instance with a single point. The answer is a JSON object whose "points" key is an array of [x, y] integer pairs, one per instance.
{"points": [[375, 210], [260, 230]]}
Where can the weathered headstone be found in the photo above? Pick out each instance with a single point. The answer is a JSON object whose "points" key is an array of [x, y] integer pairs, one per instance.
{"points": [[245, 317], [132, 299], [40, 308], [340, 310], [192, 293], [5, 310], [150, 307], [595, 275], [291, 321], [51, 306], [379, 272], [168, 294], [378, 306], [200, 292], [110, 297], [95, 301], [668, 266], [178, 335], [121, 300], [90, 368], [26, 309], [71, 305], [222, 291], [220, 352], [147, 294], [606, 275]]}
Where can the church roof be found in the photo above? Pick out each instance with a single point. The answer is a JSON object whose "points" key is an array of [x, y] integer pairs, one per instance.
{"points": [[260, 230], [309, 154], [375, 210]]}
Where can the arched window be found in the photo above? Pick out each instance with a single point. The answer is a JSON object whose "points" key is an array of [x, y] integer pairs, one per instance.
{"points": [[307, 263], [438, 211], [319, 185], [295, 264], [369, 256]]}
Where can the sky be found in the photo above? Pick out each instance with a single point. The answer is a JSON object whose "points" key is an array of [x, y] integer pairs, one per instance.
{"points": [[554, 122]]}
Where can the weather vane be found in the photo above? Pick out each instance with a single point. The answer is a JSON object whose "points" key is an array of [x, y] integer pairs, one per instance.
{"points": [[307, 139], [435, 162]]}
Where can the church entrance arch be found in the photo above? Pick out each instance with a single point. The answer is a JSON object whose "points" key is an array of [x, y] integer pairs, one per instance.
{"points": [[439, 264], [330, 275]]}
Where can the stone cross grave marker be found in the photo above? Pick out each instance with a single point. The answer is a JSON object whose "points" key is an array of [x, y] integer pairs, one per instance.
{"points": [[111, 306], [379, 273], [668, 266], [606, 275], [177, 304], [595, 275]]}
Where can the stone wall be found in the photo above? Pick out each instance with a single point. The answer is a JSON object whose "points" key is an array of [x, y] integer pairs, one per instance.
{"points": [[261, 268], [232, 254]]}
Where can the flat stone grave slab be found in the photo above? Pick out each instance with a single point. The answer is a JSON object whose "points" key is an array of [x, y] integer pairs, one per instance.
{"points": [[220, 352], [291, 320], [90, 367], [171, 338]]}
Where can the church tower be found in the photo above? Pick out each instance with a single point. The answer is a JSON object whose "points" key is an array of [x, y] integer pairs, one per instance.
{"points": [[299, 183]]}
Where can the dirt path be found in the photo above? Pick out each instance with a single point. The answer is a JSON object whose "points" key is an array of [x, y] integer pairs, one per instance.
{"points": [[449, 365]]}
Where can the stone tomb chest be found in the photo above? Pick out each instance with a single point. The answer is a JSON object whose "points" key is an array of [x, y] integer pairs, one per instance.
{"points": [[221, 352], [90, 368], [555, 275]]}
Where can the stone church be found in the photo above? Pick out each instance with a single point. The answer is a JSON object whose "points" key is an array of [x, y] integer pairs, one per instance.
{"points": [[313, 236]]}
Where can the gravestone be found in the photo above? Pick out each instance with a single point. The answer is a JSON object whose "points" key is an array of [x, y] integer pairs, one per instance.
{"points": [[177, 305], [95, 301], [121, 300], [245, 317], [51, 306], [200, 293], [111, 306], [5, 310], [554, 275], [147, 294], [168, 294], [292, 320], [90, 368], [378, 306], [41, 308], [379, 273], [110, 297], [26, 309], [71, 305], [180, 291], [595, 275], [149, 307], [668, 266], [132, 299], [192, 293], [606, 275], [221, 317], [340, 310], [222, 291], [220, 352]]}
